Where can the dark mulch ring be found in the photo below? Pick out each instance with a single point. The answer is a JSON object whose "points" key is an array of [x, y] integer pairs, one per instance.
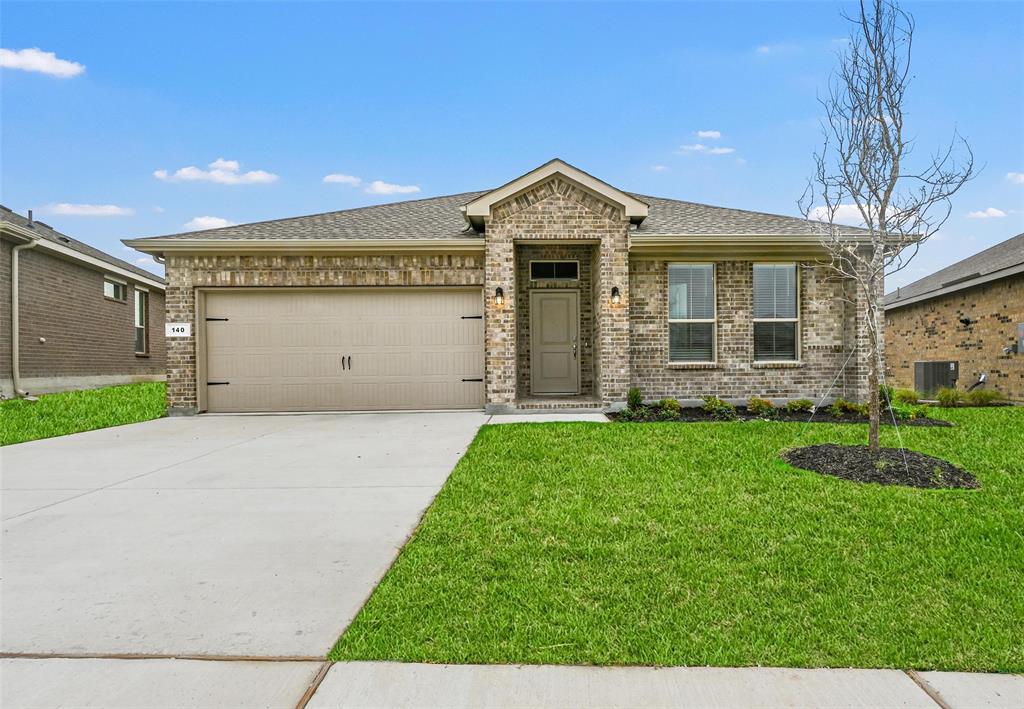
{"points": [[697, 414], [887, 467]]}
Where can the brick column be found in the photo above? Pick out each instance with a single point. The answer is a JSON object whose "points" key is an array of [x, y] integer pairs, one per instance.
{"points": [[180, 303], [499, 323], [612, 319]]}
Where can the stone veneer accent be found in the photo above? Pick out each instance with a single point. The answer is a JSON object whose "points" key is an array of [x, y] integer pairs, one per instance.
{"points": [[585, 285], [823, 340], [557, 210], [186, 273], [931, 330]]}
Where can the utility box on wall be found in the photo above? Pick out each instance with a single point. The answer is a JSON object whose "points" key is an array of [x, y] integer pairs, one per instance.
{"points": [[929, 377]]}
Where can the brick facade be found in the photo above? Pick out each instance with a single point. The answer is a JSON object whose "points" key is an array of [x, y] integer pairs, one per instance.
{"points": [[186, 273], [557, 210], [824, 344], [70, 334], [931, 330]]}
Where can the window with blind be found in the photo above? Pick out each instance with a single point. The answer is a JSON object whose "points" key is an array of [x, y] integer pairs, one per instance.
{"points": [[141, 321], [776, 312], [691, 312]]}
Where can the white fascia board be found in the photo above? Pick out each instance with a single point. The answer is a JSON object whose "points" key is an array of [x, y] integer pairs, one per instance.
{"points": [[85, 259], [481, 206]]}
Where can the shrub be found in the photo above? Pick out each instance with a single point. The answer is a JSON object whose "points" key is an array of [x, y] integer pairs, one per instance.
{"points": [[800, 406], [842, 407], [634, 399], [983, 397], [949, 397], [760, 407], [904, 411], [885, 393], [907, 396], [640, 413], [672, 406], [719, 410]]}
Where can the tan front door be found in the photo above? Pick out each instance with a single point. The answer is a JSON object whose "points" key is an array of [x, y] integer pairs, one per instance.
{"points": [[554, 346], [335, 349]]}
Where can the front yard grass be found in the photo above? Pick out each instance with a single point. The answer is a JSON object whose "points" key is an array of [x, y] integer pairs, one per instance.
{"points": [[76, 411], [694, 544]]}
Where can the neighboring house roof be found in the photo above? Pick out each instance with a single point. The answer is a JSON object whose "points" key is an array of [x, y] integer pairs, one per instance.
{"points": [[441, 218], [999, 261], [73, 248]]}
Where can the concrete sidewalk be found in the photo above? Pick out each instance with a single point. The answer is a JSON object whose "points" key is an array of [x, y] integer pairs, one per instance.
{"points": [[166, 683]]}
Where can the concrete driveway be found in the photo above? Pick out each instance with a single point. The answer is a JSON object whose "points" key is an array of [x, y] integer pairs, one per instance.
{"points": [[240, 536]]}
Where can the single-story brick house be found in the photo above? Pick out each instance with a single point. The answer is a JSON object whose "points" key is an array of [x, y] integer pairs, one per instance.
{"points": [[971, 313], [554, 290], [78, 318]]}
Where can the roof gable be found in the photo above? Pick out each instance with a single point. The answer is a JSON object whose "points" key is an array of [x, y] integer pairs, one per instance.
{"points": [[480, 207]]}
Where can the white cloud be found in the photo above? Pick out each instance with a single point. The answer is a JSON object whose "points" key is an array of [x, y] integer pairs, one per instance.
{"points": [[222, 172], [39, 61], [709, 134], [659, 168], [200, 223], [381, 187], [1015, 177], [990, 213], [159, 210], [701, 148], [338, 178], [845, 214], [88, 210], [764, 49], [148, 263]]}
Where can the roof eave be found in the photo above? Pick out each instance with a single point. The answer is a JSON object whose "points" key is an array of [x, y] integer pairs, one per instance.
{"points": [[963, 285], [159, 247]]}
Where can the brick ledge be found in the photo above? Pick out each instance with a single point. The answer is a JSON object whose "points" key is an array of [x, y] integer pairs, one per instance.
{"points": [[778, 365]]}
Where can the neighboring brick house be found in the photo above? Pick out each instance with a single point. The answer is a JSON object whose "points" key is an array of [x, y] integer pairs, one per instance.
{"points": [[555, 290], [971, 312], [85, 318]]}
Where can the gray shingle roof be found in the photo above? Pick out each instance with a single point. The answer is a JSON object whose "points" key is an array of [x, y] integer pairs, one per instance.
{"points": [[439, 218], [962, 274], [48, 233]]}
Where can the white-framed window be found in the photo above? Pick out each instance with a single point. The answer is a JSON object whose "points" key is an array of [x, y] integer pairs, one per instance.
{"points": [[114, 289], [141, 321], [691, 313], [776, 312], [551, 270]]}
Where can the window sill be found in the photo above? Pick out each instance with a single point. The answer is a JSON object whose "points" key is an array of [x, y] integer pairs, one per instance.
{"points": [[778, 365], [115, 300], [692, 365], [144, 355]]}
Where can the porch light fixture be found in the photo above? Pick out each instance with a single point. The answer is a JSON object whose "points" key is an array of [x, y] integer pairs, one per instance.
{"points": [[499, 296], [616, 296]]}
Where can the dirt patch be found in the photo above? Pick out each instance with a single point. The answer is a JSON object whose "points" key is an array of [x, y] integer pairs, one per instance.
{"points": [[887, 467]]}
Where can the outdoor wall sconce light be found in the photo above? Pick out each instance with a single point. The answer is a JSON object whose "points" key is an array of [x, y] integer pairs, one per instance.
{"points": [[616, 296], [499, 296]]}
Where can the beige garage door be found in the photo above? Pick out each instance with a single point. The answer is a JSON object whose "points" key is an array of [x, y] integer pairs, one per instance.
{"points": [[280, 349]]}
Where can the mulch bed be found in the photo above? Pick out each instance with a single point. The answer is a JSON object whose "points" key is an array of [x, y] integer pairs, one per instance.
{"points": [[887, 467], [697, 415]]}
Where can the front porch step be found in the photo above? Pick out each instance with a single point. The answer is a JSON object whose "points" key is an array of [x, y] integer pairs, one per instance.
{"points": [[559, 403]]}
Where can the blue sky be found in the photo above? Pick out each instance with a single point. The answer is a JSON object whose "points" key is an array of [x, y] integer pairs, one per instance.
{"points": [[453, 97]]}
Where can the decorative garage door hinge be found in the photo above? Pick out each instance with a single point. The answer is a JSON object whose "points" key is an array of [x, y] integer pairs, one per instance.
{"points": [[472, 317], [217, 384], [472, 380], [216, 319]]}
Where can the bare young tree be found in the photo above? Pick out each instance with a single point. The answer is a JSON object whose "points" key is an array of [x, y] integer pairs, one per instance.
{"points": [[863, 170]]}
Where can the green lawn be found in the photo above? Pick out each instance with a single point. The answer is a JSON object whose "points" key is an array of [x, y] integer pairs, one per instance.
{"points": [[74, 411], [693, 544]]}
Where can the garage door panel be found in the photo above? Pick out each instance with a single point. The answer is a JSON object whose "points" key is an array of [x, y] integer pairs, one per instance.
{"points": [[289, 350]]}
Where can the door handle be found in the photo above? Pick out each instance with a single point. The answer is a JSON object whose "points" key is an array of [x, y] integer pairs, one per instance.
{"points": [[350, 361]]}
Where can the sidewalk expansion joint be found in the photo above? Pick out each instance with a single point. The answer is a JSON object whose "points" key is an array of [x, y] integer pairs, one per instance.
{"points": [[314, 685], [927, 688], [156, 656]]}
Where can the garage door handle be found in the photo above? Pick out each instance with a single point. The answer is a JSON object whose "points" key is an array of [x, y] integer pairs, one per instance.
{"points": [[472, 380], [350, 361]]}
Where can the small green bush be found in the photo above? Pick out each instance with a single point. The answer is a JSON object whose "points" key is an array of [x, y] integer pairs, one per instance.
{"points": [[719, 410], [908, 412], [639, 413], [634, 398], [760, 407], [671, 405], [842, 407], [949, 397], [983, 397], [907, 396], [885, 393], [800, 406]]}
